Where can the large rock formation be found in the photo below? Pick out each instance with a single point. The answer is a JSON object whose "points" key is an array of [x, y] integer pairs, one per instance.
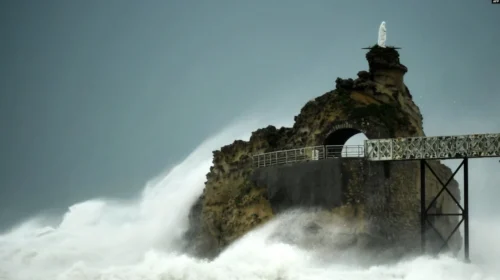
{"points": [[379, 199]]}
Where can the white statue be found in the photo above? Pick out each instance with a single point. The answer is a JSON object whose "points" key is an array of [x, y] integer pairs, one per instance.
{"points": [[382, 35]]}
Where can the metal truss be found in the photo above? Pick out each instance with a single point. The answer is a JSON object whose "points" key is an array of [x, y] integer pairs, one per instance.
{"points": [[438, 147], [424, 208]]}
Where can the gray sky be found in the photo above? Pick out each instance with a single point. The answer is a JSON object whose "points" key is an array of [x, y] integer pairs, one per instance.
{"points": [[97, 97]]}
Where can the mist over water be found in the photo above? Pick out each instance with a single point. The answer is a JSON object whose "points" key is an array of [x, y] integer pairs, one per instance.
{"points": [[142, 239]]}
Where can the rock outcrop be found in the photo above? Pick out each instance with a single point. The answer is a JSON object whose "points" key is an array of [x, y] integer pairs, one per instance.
{"points": [[381, 199]]}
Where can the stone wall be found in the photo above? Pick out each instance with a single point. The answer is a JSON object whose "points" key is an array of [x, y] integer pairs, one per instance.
{"points": [[307, 184]]}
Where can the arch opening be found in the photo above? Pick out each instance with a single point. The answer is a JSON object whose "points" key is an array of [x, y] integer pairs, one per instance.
{"points": [[345, 142]]}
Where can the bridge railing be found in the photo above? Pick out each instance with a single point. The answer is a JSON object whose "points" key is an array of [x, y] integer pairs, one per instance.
{"points": [[307, 154]]}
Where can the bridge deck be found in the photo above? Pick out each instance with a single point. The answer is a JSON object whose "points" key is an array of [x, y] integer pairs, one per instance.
{"points": [[393, 149], [436, 147]]}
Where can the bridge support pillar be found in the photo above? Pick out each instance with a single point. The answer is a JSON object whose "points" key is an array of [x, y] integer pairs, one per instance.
{"points": [[425, 208], [423, 212], [466, 210]]}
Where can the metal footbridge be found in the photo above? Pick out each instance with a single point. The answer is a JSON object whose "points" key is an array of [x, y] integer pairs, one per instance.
{"points": [[463, 147], [307, 154]]}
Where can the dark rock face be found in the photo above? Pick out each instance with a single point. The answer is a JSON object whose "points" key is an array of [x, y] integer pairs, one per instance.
{"points": [[379, 200], [199, 241], [384, 59], [307, 184]]}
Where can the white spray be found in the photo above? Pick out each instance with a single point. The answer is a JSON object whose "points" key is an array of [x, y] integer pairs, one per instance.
{"points": [[102, 239]]}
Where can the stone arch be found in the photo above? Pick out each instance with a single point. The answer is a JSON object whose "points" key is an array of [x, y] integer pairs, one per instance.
{"points": [[339, 137], [335, 141], [341, 132]]}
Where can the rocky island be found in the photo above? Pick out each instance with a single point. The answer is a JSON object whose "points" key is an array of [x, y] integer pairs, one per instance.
{"points": [[380, 200]]}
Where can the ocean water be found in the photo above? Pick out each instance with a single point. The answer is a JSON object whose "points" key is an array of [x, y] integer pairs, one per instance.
{"points": [[142, 239]]}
